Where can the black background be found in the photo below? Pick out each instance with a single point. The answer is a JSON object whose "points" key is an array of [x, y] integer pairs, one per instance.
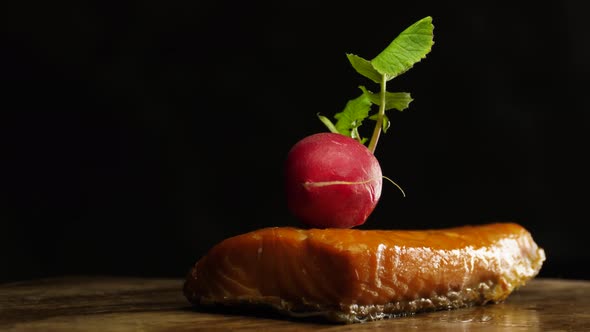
{"points": [[137, 135]]}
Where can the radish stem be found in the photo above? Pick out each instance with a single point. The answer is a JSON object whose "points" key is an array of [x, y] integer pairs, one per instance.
{"points": [[379, 124]]}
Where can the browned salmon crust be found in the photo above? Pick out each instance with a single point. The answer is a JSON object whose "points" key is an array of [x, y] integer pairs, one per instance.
{"points": [[351, 275]]}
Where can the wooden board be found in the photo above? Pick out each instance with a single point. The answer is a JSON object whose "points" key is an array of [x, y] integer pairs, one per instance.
{"points": [[136, 304]]}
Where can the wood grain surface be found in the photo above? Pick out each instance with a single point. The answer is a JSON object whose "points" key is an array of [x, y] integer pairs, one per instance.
{"points": [[139, 304]]}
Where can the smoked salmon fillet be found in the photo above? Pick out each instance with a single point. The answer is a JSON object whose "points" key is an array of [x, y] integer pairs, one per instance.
{"points": [[352, 275]]}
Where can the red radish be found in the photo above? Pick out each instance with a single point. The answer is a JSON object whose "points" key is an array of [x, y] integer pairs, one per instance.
{"points": [[332, 181]]}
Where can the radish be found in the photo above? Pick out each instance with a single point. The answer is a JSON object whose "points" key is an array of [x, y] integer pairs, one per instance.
{"points": [[332, 178], [332, 181]]}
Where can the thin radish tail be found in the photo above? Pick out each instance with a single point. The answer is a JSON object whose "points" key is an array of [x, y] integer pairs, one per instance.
{"points": [[395, 184]]}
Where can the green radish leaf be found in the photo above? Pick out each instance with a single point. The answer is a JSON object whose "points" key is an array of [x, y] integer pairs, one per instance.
{"points": [[355, 111], [408, 48], [364, 67], [386, 123], [393, 100]]}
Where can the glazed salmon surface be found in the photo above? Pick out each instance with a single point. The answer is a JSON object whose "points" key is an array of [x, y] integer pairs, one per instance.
{"points": [[366, 274]]}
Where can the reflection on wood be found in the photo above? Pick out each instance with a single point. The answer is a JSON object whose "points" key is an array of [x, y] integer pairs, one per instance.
{"points": [[131, 304]]}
